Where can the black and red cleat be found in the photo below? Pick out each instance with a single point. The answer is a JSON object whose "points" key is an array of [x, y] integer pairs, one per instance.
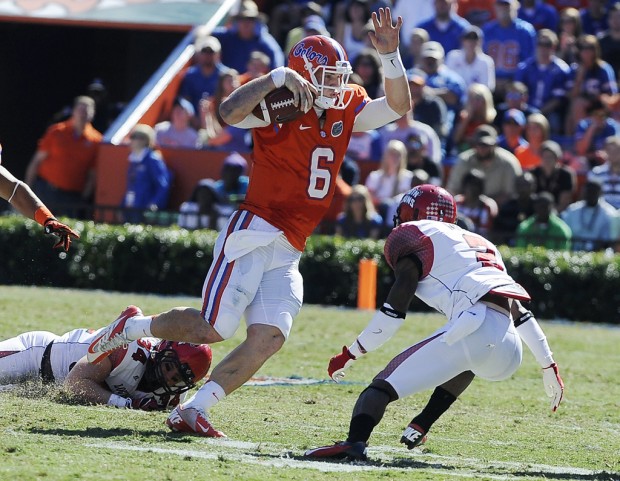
{"points": [[340, 450], [413, 436]]}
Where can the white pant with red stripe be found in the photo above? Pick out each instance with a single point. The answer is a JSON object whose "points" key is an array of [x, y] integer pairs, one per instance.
{"points": [[255, 272], [492, 351], [20, 356]]}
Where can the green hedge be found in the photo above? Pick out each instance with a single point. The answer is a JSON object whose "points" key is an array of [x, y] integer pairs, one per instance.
{"points": [[133, 258]]}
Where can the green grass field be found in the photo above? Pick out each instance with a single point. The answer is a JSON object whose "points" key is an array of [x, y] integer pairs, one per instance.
{"points": [[496, 431]]}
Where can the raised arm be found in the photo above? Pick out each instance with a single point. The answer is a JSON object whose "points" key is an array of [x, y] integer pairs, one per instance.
{"points": [[385, 40]]}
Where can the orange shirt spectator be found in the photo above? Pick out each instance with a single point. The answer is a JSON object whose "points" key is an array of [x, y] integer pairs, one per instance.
{"points": [[69, 157], [62, 170], [527, 157]]}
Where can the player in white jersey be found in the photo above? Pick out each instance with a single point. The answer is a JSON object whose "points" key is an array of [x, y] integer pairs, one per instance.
{"points": [[148, 374], [462, 275]]}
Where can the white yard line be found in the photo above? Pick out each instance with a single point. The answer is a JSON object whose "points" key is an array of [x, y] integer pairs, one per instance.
{"points": [[284, 462], [276, 455]]}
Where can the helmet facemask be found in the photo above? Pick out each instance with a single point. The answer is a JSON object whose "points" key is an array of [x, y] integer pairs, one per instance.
{"points": [[165, 361], [318, 74]]}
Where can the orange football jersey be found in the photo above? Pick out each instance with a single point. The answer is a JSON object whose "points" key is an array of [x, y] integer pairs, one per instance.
{"points": [[295, 167]]}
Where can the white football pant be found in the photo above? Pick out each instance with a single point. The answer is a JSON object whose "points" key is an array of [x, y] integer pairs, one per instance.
{"points": [[493, 352], [255, 272]]}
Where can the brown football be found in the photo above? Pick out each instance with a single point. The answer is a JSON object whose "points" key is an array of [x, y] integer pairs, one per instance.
{"points": [[277, 107]]}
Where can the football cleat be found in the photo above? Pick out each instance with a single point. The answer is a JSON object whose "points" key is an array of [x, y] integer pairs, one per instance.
{"points": [[192, 420], [340, 450], [111, 337], [413, 436]]}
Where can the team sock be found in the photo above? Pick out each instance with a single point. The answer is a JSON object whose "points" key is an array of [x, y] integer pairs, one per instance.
{"points": [[206, 397], [138, 326], [439, 403], [361, 428]]}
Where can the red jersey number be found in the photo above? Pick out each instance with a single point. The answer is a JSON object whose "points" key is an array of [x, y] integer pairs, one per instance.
{"points": [[486, 254]]}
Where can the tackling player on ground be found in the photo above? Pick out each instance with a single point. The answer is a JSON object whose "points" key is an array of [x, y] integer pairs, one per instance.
{"points": [[148, 374], [256, 257], [21, 196], [462, 275]]}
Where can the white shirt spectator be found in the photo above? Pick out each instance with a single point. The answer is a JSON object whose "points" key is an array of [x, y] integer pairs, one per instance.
{"points": [[589, 224], [481, 70], [384, 187]]}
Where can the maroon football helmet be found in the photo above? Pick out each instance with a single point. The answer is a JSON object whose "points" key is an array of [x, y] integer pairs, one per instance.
{"points": [[426, 201], [191, 361]]}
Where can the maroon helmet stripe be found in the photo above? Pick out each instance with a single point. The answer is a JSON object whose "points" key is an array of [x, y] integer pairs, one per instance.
{"points": [[403, 356]]}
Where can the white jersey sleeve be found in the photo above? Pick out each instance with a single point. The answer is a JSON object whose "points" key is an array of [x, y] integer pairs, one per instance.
{"points": [[375, 114]]}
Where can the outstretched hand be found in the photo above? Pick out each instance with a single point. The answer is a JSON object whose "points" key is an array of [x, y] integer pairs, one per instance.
{"points": [[339, 363], [385, 36], [554, 386], [62, 231]]}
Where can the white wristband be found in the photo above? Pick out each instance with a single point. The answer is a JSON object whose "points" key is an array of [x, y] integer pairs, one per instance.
{"points": [[392, 65], [119, 401], [278, 76], [17, 184]]}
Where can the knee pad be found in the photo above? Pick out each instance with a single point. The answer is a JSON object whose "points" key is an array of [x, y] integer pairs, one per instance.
{"points": [[384, 386], [375, 398], [226, 323]]}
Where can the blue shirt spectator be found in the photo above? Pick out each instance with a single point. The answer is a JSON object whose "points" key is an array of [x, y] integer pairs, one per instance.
{"points": [[594, 17], [200, 80], [148, 178], [246, 35], [446, 27], [601, 130], [442, 81], [545, 75], [508, 39], [539, 14], [600, 79]]}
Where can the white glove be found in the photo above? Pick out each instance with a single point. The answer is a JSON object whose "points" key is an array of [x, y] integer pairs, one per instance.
{"points": [[554, 386]]}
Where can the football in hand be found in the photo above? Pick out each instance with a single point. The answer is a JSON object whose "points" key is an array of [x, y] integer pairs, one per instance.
{"points": [[278, 107]]}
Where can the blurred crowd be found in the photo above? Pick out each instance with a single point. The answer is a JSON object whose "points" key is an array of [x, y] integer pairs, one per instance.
{"points": [[515, 111]]}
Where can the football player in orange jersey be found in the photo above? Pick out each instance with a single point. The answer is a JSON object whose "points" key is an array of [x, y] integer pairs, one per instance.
{"points": [[22, 198], [255, 263]]}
